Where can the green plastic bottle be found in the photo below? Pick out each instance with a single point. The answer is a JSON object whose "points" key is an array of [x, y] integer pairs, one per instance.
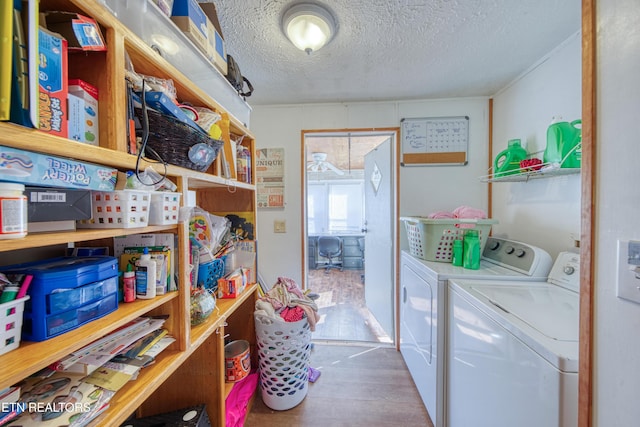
{"points": [[564, 143], [508, 161], [471, 250], [457, 253]]}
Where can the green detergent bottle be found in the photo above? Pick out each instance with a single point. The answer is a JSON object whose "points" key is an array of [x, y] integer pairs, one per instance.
{"points": [[508, 161], [564, 143]]}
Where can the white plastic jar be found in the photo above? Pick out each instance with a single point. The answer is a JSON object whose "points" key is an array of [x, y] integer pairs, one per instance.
{"points": [[13, 211]]}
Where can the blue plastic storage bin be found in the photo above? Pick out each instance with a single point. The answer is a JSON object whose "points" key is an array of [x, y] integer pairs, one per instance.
{"points": [[209, 273], [66, 293]]}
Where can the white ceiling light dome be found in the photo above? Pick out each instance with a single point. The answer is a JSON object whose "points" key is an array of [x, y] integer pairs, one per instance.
{"points": [[309, 26]]}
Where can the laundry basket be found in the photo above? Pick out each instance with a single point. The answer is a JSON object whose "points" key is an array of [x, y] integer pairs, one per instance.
{"points": [[432, 239], [283, 359]]}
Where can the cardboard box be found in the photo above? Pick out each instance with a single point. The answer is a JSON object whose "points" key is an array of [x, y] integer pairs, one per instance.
{"points": [[216, 52], [53, 83], [81, 32], [233, 284], [191, 19], [57, 204], [27, 167], [88, 122], [75, 126]]}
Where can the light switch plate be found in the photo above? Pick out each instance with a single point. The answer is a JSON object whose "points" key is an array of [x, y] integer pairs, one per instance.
{"points": [[628, 280], [279, 226]]}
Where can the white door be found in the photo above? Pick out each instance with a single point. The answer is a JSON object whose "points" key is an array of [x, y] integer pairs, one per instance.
{"points": [[379, 235]]}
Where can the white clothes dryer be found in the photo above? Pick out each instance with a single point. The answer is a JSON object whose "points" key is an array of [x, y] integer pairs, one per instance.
{"points": [[513, 350]]}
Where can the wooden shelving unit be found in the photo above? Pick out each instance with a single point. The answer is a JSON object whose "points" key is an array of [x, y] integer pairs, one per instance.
{"points": [[191, 371]]}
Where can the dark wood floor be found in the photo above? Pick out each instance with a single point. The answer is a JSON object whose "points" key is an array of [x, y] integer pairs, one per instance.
{"points": [[341, 304], [359, 385]]}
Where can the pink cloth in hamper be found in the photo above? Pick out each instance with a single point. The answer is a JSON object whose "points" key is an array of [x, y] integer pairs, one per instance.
{"points": [[440, 215], [237, 401], [466, 212], [292, 314]]}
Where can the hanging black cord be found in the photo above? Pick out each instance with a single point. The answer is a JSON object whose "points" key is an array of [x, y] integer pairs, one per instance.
{"points": [[143, 145]]}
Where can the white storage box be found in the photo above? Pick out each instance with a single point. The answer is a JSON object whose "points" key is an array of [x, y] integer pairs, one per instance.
{"points": [[432, 239], [165, 207], [156, 28], [118, 209], [11, 324]]}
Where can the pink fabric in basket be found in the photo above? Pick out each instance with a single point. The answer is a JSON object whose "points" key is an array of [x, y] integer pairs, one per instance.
{"points": [[441, 215], [466, 212]]}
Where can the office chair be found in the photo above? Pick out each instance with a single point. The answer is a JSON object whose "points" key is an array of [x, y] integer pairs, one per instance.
{"points": [[330, 247]]}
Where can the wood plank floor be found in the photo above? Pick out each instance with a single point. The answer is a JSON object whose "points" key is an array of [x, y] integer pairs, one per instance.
{"points": [[359, 385], [341, 305]]}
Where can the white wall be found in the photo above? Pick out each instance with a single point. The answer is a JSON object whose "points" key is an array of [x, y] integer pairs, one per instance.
{"points": [[616, 321], [543, 212], [423, 189]]}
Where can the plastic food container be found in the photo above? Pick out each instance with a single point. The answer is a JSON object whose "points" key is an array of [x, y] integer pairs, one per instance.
{"points": [[13, 211]]}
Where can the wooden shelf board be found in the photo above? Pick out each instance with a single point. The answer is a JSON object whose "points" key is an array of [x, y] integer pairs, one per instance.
{"points": [[30, 357], [224, 307], [34, 240], [131, 396]]}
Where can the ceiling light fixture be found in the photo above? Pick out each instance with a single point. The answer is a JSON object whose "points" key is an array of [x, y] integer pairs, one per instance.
{"points": [[309, 26]]}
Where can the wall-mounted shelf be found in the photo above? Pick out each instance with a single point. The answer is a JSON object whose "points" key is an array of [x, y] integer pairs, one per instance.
{"points": [[523, 176]]}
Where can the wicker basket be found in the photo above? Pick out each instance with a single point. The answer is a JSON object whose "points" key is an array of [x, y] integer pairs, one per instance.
{"points": [[432, 239], [178, 143]]}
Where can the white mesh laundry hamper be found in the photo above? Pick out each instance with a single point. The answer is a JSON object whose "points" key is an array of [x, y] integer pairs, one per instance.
{"points": [[283, 358]]}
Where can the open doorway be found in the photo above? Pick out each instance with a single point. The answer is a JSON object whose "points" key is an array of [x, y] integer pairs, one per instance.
{"points": [[336, 182]]}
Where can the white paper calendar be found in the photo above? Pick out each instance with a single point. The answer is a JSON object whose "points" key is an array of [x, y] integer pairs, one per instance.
{"points": [[434, 140]]}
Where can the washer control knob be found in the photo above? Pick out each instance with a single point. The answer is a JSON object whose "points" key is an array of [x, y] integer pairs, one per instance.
{"points": [[494, 245], [509, 250], [520, 253], [569, 270]]}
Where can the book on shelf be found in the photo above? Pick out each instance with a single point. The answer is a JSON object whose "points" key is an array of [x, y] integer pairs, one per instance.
{"points": [[143, 344], [23, 71], [113, 375], [102, 350], [52, 399], [10, 394]]}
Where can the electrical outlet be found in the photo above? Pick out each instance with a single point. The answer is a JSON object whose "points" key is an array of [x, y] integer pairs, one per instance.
{"points": [[628, 283], [279, 226]]}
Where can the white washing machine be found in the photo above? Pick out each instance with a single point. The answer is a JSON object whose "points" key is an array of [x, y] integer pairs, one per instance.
{"points": [[423, 308], [513, 350]]}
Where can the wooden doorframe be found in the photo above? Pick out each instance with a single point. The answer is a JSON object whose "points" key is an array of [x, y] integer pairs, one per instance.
{"points": [[588, 211], [588, 216], [396, 207]]}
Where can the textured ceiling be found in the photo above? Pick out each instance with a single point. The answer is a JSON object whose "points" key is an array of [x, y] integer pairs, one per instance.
{"points": [[395, 49]]}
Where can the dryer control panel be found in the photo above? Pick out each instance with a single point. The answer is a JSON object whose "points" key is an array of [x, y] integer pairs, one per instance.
{"points": [[566, 271]]}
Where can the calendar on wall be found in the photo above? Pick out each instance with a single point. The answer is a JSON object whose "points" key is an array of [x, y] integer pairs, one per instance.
{"points": [[434, 140]]}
